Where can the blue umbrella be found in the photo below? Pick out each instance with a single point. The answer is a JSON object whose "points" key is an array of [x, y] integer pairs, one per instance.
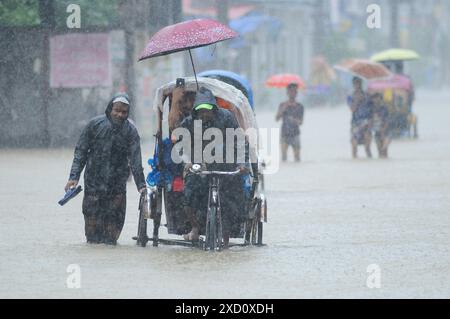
{"points": [[251, 23], [71, 193], [233, 79]]}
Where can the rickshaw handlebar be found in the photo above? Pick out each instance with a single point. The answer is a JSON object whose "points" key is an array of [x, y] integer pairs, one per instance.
{"points": [[214, 172]]}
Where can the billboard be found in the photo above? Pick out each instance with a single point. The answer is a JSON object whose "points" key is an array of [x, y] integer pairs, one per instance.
{"points": [[80, 60]]}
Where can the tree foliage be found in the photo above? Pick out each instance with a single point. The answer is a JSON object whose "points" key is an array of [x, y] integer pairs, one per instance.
{"points": [[26, 12], [19, 13]]}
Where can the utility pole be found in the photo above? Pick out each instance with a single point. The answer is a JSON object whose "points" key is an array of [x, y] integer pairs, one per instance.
{"points": [[446, 46], [47, 16], [395, 37], [222, 11], [128, 25], [319, 27], [177, 11], [164, 13], [222, 15]]}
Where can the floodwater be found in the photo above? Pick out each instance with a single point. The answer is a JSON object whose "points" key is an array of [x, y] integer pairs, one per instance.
{"points": [[330, 217]]}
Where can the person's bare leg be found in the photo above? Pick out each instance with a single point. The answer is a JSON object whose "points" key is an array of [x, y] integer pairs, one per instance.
{"points": [[368, 151], [379, 143], [297, 154], [416, 133], [386, 142], [194, 234], [355, 148], [284, 149], [368, 141]]}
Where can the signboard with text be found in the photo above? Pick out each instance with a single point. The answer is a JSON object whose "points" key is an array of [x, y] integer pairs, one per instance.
{"points": [[80, 61]]}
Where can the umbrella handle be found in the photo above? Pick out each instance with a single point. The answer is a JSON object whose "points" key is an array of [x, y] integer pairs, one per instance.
{"points": [[193, 67]]}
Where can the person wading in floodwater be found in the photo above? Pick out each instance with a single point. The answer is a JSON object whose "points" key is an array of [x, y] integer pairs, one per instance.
{"points": [[291, 112], [361, 123], [108, 147]]}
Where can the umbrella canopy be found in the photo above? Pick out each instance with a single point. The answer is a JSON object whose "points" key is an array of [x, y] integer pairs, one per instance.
{"points": [[365, 69], [395, 55], [283, 80], [395, 82], [185, 36], [232, 78]]}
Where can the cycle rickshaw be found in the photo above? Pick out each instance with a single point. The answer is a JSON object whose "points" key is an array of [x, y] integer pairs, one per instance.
{"points": [[398, 94], [165, 181]]}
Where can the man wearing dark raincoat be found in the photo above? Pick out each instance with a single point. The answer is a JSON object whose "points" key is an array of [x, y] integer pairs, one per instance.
{"points": [[108, 147]]}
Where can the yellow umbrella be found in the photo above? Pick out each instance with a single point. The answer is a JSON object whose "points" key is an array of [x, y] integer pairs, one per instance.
{"points": [[395, 55]]}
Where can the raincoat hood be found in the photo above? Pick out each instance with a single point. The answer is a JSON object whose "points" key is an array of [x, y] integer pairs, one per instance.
{"points": [[110, 105], [204, 96]]}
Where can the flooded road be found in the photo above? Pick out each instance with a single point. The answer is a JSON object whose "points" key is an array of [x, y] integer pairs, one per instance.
{"points": [[330, 217]]}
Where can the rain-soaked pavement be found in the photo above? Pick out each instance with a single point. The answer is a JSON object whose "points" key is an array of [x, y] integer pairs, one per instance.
{"points": [[330, 217]]}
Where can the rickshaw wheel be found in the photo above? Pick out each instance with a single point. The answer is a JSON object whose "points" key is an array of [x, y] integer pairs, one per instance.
{"points": [[142, 238], [253, 231], [212, 235], [250, 226], [257, 227], [260, 234]]}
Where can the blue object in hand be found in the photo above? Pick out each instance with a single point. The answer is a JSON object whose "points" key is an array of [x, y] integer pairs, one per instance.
{"points": [[349, 100], [71, 193]]}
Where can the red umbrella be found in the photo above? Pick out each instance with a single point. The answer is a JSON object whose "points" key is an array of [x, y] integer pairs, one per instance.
{"points": [[186, 36], [283, 80], [364, 69]]}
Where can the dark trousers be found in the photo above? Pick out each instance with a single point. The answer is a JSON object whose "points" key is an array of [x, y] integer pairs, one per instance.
{"points": [[104, 217]]}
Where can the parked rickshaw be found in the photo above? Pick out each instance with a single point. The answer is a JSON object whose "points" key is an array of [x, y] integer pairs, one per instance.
{"points": [[165, 181], [398, 94], [398, 91]]}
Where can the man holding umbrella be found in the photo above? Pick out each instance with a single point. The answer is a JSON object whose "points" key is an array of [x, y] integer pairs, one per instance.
{"points": [[359, 102], [108, 148], [361, 118]]}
